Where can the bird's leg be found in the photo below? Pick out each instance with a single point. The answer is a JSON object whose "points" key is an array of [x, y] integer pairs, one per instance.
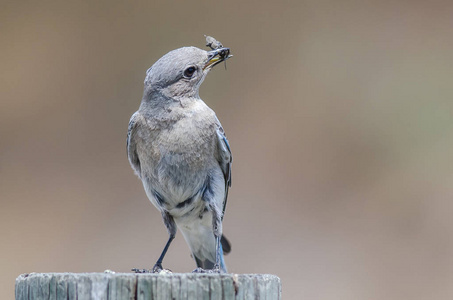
{"points": [[158, 266], [217, 226], [171, 227], [217, 230], [217, 254]]}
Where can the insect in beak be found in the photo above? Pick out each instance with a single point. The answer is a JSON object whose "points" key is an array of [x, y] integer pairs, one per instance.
{"points": [[217, 56]]}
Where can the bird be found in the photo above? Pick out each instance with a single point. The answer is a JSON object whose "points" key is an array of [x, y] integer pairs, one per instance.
{"points": [[178, 148]]}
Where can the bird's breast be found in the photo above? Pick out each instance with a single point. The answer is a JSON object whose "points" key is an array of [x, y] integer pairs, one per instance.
{"points": [[176, 159]]}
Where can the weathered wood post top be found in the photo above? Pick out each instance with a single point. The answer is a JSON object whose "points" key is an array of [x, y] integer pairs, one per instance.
{"points": [[120, 286]]}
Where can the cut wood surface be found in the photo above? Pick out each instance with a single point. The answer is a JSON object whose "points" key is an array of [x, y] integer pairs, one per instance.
{"points": [[121, 286]]}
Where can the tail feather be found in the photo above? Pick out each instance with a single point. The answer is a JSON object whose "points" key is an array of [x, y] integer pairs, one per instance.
{"points": [[226, 245]]}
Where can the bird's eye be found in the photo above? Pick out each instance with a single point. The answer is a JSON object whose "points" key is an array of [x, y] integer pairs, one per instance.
{"points": [[189, 72]]}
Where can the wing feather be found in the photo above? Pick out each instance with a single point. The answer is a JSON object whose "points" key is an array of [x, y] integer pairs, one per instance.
{"points": [[131, 144], [225, 160]]}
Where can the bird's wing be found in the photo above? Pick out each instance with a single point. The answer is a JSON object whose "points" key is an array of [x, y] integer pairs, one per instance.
{"points": [[225, 160], [131, 143]]}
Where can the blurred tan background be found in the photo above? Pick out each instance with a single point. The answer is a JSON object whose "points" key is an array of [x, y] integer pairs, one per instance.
{"points": [[339, 115]]}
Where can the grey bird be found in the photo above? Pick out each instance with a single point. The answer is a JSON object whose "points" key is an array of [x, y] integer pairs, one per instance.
{"points": [[178, 148]]}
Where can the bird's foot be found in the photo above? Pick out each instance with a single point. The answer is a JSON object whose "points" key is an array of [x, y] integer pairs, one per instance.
{"points": [[141, 271], [199, 270], [156, 269], [215, 270]]}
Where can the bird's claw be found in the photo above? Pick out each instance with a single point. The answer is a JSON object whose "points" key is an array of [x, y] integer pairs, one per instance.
{"points": [[199, 270], [215, 270], [140, 271], [156, 269]]}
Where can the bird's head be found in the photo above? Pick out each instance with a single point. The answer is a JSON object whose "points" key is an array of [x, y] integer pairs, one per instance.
{"points": [[179, 73]]}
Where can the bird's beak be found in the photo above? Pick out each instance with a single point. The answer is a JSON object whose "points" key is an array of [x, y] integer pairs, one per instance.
{"points": [[217, 56]]}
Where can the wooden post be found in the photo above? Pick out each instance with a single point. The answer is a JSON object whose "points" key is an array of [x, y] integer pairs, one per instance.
{"points": [[122, 286]]}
